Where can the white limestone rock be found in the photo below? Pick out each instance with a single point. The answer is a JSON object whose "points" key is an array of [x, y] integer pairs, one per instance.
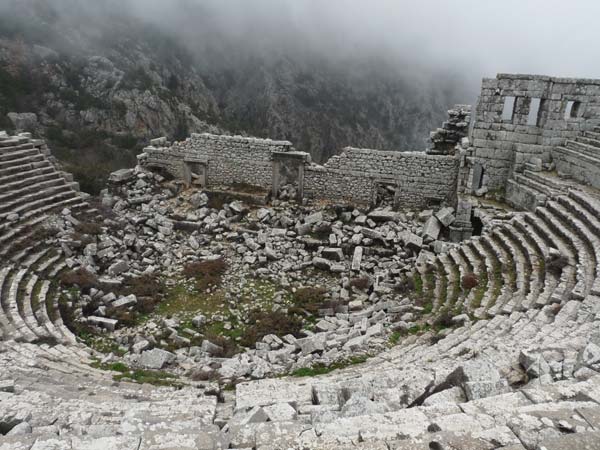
{"points": [[156, 358]]}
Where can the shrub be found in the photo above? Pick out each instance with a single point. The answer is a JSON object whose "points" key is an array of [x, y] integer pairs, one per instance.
{"points": [[443, 320], [557, 264], [88, 228], [310, 298], [361, 283], [274, 322], [146, 285], [470, 281], [208, 273], [84, 239], [31, 235], [82, 278], [405, 286], [126, 318]]}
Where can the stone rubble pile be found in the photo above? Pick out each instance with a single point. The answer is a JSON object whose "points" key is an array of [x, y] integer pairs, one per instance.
{"points": [[363, 258], [444, 140]]}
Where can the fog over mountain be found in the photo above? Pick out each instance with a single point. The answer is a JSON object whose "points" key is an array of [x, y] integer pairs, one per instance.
{"points": [[105, 76]]}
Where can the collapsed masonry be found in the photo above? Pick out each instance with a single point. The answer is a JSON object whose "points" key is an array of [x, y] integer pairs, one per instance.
{"points": [[419, 180]]}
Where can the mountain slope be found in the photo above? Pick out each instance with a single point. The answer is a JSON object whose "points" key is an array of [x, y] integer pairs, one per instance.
{"points": [[103, 81]]}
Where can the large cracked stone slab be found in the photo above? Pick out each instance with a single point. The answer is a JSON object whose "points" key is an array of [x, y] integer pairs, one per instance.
{"points": [[272, 391], [432, 228]]}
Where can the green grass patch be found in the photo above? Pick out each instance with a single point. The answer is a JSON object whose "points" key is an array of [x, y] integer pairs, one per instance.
{"points": [[125, 373], [418, 281], [395, 338], [154, 377], [321, 369], [456, 288], [181, 299], [498, 282], [480, 290]]}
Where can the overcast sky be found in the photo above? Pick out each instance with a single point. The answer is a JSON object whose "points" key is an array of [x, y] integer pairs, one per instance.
{"points": [[479, 37]]}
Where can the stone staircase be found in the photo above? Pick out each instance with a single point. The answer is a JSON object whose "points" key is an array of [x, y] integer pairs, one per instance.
{"points": [[580, 157], [30, 189]]}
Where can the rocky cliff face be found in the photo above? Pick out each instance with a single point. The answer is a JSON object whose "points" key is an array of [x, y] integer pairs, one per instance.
{"points": [[102, 82]]}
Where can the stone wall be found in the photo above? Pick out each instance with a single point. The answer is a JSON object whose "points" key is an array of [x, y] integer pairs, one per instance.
{"points": [[228, 159], [445, 139], [567, 106], [420, 180], [352, 177]]}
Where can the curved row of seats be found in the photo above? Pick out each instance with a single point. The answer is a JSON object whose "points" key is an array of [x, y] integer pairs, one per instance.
{"points": [[31, 188], [512, 261]]}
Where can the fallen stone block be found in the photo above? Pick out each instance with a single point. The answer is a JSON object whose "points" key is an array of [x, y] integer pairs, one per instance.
{"points": [[357, 258], [156, 358], [139, 347], [432, 228], [412, 241], [446, 216], [478, 378], [103, 322], [121, 176], [314, 218], [333, 254], [380, 215], [125, 302], [118, 268], [281, 412], [321, 263], [355, 343], [210, 348], [311, 344], [372, 234]]}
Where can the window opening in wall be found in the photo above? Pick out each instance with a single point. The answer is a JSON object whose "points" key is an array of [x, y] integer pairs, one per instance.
{"points": [[575, 110], [541, 110], [509, 108], [569, 109], [534, 112]]}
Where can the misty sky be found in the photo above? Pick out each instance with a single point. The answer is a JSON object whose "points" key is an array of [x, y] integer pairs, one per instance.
{"points": [[481, 37]]}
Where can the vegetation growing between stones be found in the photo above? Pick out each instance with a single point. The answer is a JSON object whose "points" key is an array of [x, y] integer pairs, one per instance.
{"points": [[482, 287], [206, 273], [320, 369], [81, 278], [154, 377]]}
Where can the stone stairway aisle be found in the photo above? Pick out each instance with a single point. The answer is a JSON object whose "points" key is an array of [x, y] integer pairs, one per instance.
{"points": [[581, 157], [30, 189]]}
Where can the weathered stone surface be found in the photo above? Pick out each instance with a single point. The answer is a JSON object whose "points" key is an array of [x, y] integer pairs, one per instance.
{"points": [[446, 216], [432, 228], [156, 358], [103, 322]]}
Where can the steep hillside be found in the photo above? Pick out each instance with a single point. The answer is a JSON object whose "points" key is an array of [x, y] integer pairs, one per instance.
{"points": [[102, 82]]}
